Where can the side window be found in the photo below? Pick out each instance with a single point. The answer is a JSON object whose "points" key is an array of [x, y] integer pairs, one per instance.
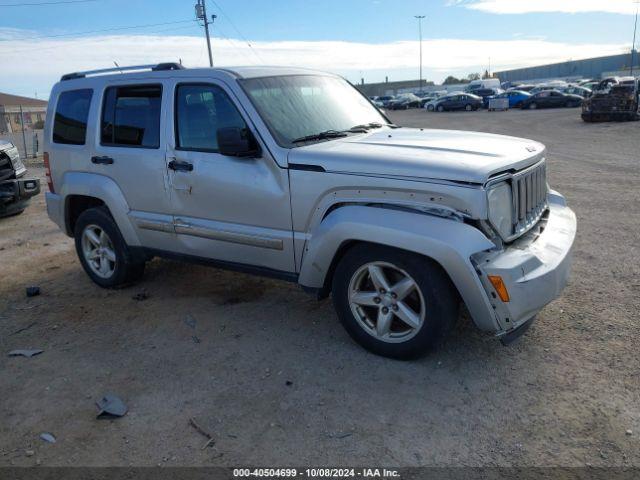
{"points": [[72, 112], [131, 116], [200, 111]]}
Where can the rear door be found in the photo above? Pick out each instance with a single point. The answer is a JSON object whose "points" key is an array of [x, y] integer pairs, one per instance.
{"points": [[130, 149], [225, 208], [557, 99]]}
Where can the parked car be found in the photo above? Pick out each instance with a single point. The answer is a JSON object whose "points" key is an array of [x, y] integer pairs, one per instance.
{"points": [[524, 88], [15, 188], [542, 88], [485, 93], [385, 100], [516, 97], [242, 169], [551, 99], [404, 101], [620, 102], [430, 97], [577, 90], [460, 101], [484, 83]]}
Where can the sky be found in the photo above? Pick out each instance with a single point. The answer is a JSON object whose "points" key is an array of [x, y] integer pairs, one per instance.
{"points": [[361, 39]]}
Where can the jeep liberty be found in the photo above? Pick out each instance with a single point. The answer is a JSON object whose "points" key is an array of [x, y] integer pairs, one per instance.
{"points": [[293, 174]]}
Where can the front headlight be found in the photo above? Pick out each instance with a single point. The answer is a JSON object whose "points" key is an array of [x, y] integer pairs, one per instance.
{"points": [[501, 208], [16, 161]]}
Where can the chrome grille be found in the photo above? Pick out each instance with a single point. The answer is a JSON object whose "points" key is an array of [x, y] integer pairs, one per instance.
{"points": [[529, 192]]}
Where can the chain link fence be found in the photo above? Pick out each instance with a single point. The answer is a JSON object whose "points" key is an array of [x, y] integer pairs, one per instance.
{"points": [[32, 138]]}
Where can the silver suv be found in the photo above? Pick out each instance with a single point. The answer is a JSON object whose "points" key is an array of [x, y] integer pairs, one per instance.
{"points": [[294, 174]]}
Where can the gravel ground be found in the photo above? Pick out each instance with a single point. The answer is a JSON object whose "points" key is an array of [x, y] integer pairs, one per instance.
{"points": [[270, 373]]}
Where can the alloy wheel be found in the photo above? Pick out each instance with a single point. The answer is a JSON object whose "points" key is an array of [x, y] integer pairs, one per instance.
{"points": [[387, 302], [98, 251]]}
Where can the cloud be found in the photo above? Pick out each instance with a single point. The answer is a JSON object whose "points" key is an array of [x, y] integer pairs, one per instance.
{"points": [[37, 64], [623, 7]]}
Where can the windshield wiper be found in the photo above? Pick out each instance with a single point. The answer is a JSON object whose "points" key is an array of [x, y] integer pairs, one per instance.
{"points": [[320, 136]]}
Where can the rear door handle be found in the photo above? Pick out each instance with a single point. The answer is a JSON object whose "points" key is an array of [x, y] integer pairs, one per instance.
{"points": [[102, 160], [179, 166]]}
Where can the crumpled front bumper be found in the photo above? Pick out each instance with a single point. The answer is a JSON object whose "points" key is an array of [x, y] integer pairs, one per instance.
{"points": [[15, 193], [535, 269]]}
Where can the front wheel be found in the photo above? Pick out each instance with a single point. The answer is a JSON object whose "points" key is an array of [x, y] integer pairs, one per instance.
{"points": [[468, 107], [430, 108], [533, 106], [394, 303], [440, 108], [104, 254]]}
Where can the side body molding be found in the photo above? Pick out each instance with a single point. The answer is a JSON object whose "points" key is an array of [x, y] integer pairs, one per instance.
{"points": [[448, 242], [104, 188]]}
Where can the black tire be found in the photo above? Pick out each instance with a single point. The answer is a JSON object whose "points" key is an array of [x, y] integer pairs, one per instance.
{"points": [[6, 213], [429, 108], [532, 106], [440, 298], [468, 107], [440, 108], [127, 268]]}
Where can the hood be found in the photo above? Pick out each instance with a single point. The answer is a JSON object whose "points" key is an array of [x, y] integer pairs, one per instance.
{"points": [[458, 156]]}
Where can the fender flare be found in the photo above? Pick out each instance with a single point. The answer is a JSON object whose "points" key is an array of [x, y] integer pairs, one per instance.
{"points": [[105, 189], [448, 242]]}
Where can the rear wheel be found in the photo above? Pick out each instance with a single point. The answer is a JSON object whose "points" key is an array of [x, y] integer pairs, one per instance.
{"points": [[103, 252], [394, 303]]}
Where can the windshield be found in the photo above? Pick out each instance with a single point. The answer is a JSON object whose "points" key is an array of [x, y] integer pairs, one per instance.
{"points": [[299, 106]]}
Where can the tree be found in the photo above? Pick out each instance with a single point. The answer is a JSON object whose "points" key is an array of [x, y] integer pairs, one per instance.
{"points": [[473, 76], [451, 80]]}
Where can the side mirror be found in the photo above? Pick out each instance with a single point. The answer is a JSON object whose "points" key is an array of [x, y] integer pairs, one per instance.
{"points": [[237, 142]]}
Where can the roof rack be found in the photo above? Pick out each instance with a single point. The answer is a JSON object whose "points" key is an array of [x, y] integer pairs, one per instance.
{"points": [[153, 67]]}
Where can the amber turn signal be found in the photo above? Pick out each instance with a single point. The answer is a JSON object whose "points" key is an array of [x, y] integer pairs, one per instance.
{"points": [[500, 287]]}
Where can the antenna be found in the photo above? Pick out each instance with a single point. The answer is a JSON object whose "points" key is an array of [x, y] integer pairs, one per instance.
{"points": [[117, 66]]}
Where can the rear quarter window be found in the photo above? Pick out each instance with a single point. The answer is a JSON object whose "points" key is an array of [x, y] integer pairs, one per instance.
{"points": [[72, 113]]}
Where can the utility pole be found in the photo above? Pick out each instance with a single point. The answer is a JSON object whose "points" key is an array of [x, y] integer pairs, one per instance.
{"points": [[633, 45], [420, 17], [201, 14]]}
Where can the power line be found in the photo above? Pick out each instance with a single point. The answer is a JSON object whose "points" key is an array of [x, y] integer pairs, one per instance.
{"points": [[36, 4], [4, 52], [112, 29], [237, 30]]}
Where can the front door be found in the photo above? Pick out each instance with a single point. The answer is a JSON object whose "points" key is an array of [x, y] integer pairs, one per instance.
{"points": [[225, 208]]}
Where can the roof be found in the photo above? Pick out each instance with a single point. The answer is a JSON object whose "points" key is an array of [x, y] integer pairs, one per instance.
{"points": [[147, 71], [268, 71], [15, 100]]}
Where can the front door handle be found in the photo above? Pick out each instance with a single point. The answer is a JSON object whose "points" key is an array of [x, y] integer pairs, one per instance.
{"points": [[180, 166], [102, 160]]}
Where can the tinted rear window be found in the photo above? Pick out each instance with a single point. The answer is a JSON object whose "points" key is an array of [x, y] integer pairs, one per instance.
{"points": [[72, 112], [131, 116]]}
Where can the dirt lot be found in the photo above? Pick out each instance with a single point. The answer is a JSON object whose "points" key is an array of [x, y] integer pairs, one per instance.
{"points": [[568, 393]]}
